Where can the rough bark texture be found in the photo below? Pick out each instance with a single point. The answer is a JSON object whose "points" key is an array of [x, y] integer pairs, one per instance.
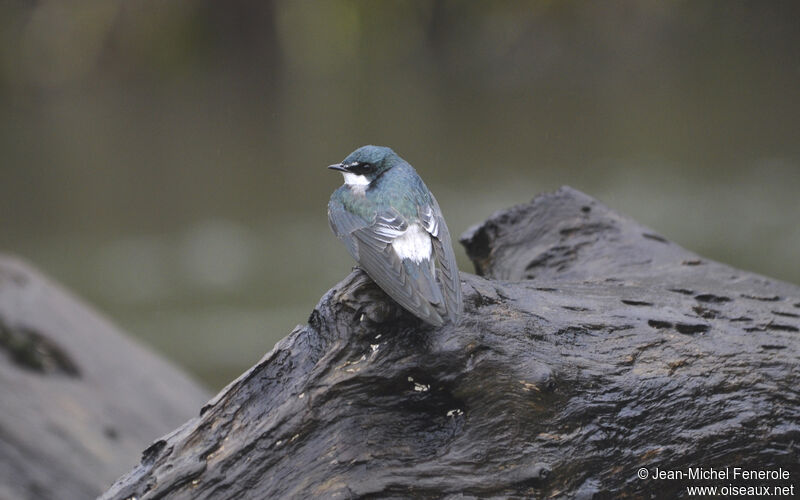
{"points": [[78, 400], [596, 348]]}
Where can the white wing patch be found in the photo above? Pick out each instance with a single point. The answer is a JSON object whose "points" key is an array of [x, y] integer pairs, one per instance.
{"points": [[433, 225], [413, 244], [387, 233]]}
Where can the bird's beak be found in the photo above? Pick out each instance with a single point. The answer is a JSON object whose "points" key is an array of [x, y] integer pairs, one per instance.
{"points": [[338, 166]]}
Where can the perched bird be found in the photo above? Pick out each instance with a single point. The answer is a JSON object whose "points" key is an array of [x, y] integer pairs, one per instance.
{"points": [[392, 225]]}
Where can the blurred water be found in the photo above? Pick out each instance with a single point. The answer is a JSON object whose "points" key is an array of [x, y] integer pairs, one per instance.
{"points": [[168, 163]]}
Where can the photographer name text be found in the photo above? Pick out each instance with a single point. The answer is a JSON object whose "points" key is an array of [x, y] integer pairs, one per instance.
{"points": [[729, 473]]}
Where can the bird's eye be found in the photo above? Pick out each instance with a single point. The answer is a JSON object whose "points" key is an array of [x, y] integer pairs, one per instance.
{"points": [[362, 168]]}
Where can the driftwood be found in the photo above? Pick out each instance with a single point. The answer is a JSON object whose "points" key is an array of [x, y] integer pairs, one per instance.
{"points": [[78, 400], [594, 348]]}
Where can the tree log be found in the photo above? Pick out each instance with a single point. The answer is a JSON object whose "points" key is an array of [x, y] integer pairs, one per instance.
{"points": [[592, 347], [78, 400]]}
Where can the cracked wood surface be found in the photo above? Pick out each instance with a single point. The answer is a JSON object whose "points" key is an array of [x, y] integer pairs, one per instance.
{"points": [[591, 346]]}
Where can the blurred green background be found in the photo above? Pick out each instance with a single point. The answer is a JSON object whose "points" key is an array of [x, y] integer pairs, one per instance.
{"points": [[166, 158]]}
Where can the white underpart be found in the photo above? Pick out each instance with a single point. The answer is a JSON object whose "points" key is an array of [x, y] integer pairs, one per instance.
{"points": [[413, 244], [355, 181]]}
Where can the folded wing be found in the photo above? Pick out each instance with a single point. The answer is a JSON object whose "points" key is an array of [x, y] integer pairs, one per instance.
{"points": [[401, 267], [433, 221]]}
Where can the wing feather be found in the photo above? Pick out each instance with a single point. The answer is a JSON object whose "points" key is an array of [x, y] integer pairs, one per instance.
{"points": [[343, 223], [431, 288], [433, 221], [411, 284]]}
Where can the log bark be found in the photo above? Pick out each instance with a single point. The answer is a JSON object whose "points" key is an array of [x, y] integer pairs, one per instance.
{"points": [[591, 347], [78, 400]]}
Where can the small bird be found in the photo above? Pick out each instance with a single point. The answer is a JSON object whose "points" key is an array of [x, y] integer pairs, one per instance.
{"points": [[392, 225]]}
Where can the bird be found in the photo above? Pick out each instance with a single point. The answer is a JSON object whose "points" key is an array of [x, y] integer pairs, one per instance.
{"points": [[393, 227]]}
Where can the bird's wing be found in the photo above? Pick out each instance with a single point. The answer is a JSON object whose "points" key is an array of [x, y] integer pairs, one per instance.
{"points": [[411, 284], [343, 223], [432, 220]]}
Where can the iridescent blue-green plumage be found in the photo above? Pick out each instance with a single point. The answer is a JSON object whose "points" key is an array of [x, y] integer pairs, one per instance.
{"points": [[374, 221]]}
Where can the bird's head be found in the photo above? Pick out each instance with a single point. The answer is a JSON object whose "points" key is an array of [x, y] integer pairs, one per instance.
{"points": [[366, 164]]}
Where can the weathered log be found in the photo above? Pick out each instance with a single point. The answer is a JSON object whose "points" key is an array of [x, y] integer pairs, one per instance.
{"points": [[78, 400], [598, 347]]}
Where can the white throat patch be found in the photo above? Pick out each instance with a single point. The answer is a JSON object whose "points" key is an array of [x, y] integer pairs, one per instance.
{"points": [[414, 244], [355, 181]]}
